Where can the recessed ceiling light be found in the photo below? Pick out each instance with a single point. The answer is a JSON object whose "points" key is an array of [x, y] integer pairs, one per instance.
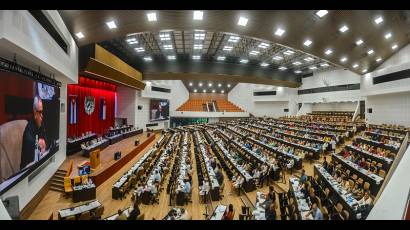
{"points": [[355, 65], [195, 90], [277, 58], [343, 29], [242, 21], [147, 59], [171, 57], [221, 58], [321, 13], [343, 59], [394, 46], [297, 63], [279, 32], [204, 91], [200, 84], [370, 51], [152, 17], [379, 59], [219, 85], [198, 15], [209, 84], [328, 51], [198, 46], [228, 85], [298, 71], [282, 68], [139, 49], [190, 84], [312, 67], [168, 47], [228, 48], [222, 91], [244, 61], [364, 71], [196, 57], [289, 52], [324, 64], [234, 39], [254, 52], [79, 35], [264, 64], [359, 42], [387, 36], [307, 43], [308, 59], [378, 20], [199, 36], [263, 45], [131, 41], [213, 91], [164, 37], [111, 24]]}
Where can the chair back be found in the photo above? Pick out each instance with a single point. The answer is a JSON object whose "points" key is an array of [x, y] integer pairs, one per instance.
{"points": [[70, 168], [85, 215], [99, 212]]}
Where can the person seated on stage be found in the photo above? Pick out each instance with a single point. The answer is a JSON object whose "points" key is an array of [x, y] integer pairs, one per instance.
{"points": [[229, 215], [366, 200], [135, 212], [121, 215]]}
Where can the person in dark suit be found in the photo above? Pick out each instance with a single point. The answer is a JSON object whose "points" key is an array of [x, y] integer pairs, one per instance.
{"points": [[270, 214], [33, 129], [135, 212]]}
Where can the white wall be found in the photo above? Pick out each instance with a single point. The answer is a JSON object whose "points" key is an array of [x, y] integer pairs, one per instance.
{"points": [[126, 103], [195, 114], [20, 33], [270, 108], [389, 109], [335, 106]]}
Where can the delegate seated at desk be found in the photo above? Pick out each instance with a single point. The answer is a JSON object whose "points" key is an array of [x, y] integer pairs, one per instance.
{"points": [[34, 129]]}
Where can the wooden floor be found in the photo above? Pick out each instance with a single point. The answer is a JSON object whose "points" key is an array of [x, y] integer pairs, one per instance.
{"points": [[54, 201]]}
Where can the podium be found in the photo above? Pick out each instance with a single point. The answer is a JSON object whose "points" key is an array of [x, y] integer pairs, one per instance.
{"points": [[95, 159]]}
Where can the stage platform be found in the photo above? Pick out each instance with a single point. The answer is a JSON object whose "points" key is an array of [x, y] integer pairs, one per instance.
{"points": [[109, 166]]}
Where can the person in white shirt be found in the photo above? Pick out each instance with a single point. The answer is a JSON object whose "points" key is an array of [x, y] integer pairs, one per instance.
{"points": [[290, 164], [366, 199], [333, 143], [204, 190]]}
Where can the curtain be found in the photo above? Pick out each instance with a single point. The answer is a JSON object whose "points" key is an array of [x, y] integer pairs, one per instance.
{"points": [[93, 122]]}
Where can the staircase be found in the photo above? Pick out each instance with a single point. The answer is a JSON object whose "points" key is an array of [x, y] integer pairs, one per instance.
{"points": [[57, 181]]}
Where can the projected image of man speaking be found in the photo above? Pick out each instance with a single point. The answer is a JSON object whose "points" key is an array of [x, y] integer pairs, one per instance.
{"points": [[34, 136]]}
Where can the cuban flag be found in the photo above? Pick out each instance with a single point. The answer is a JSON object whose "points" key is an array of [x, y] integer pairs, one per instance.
{"points": [[73, 110], [103, 109]]}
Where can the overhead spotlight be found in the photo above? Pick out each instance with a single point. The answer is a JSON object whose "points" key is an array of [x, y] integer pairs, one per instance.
{"points": [[210, 84], [219, 85], [282, 68], [152, 17], [111, 25], [228, 85], [328, 51], [198, 15], [355, 65], [359, 42], [221, 58], [297, 63], [313, 67], [277, 58], [196, 57], [213, 91], [195, 90], [131, 41], [147, 59], [308, 59], [222, 91], [387, 36], [279, 32], [228, 48], [79, 35], [168, 47], [298, 71], [378, 20], [198, 46], [242, 21], [199, 36], [165, 37], [289, 52], [263, 45], [343, 29], [370, 52], [324, 64], [307, 43], [394, 46], [379, 59], [343, 59], [233, 39], [244, 61], [321, 13], [139, 49], [254, 52], [190, 84], [204, 91], [171, 57], [200, 84], [264, 64], [364, 71]]}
